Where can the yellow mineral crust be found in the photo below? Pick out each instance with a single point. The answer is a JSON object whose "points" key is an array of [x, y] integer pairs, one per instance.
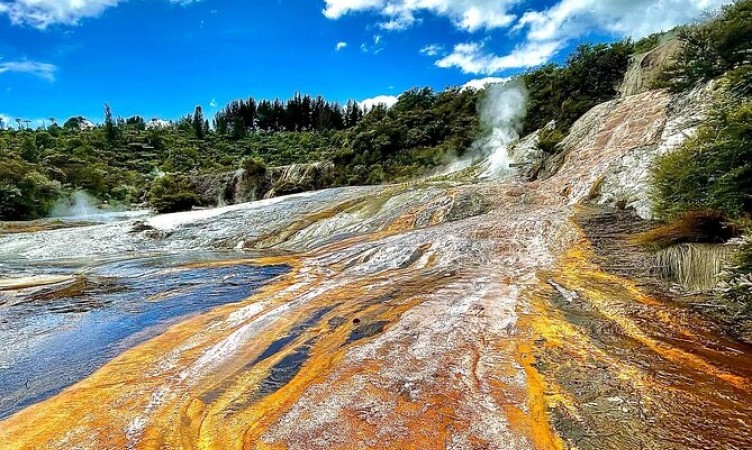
{"points": [[420, 326]]}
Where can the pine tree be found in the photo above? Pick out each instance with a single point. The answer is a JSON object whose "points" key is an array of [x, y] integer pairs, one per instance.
{"points": [[198, 123], [110, 129]]}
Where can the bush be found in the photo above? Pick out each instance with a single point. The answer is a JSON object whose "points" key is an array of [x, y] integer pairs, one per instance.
{"points": [[711, 170], [549, 139], [24, 192], [254, 167], [172, 193], [648, 43]]}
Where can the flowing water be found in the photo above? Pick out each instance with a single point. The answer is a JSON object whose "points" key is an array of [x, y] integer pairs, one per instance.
{"points": [[457, 314]]}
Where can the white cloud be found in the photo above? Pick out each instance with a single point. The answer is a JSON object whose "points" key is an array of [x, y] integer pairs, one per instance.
{"points": [[472, 57], [376, 48], [636, 18], [43, 13], [340, 45], [369, 103], [42, 70], [432, 49], [470, 15], [213, 103], [481, 83], [541, 33]]}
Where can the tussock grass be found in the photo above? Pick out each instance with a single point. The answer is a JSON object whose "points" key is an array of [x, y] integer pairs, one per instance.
{"points": [[701, 226]]}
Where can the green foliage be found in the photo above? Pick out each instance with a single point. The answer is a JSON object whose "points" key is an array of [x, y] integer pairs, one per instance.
{"points": [[420, 132], [549, 139], [254, 167], [136, 123], [172, 193], [110, 129], [739, 81], [648, 43], [25, 193], [712, 48], [591, 76], [74, 123], [711, 170], [200, 128]]}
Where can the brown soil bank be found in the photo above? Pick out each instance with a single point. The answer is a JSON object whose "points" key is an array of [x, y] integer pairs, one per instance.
{"points": [[629, 364]]}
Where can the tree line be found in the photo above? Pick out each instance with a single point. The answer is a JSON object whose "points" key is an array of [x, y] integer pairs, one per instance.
{"points": [[299, 113]]}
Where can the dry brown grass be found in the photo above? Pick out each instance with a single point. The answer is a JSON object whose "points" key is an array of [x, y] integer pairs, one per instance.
{"points": [[703, 226]]}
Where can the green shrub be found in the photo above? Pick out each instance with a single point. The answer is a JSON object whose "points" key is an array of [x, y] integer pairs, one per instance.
{"points": [[25, 193], [739, 81], [172, 193], [648, 43], [254, 167], [711, 170], [549, 139]]}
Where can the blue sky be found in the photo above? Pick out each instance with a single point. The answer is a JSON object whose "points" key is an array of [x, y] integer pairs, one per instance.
{"points": [[161, 58]]}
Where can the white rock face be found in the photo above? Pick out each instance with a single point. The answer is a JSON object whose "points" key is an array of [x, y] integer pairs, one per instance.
{"points": [[628, 180]]}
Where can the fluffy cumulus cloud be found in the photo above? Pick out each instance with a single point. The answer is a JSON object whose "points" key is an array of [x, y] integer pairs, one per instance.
{"points": [[473, 57], [340, 45], [43, 13], [541, 33], [470, 15], [42, 70], [387, 100], [636, 18]]}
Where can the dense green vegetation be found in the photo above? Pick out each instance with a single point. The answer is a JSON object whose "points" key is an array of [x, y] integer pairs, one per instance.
{"points": [[171, 193], [712, 170], [563, 94], [120, 160]]}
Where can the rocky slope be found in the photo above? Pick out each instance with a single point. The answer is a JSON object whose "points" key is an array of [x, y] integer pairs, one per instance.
{"points": [[240, 187], [436, 314]]}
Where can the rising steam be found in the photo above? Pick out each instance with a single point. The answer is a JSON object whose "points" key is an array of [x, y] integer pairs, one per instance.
{"points": [[79, 205], [502, 111]]}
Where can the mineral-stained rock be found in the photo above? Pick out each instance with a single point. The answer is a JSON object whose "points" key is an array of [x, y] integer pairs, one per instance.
{"points": [[240, 187]]}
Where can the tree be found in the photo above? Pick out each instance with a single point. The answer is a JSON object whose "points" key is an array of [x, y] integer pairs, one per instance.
{"points": [[712, 48], [199, 123], [172, 193], [110, 129], [74, 123], [136, 122]]}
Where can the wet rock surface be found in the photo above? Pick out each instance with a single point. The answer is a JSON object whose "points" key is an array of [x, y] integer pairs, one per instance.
{"points": [[462, 314], [642, 368]]}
